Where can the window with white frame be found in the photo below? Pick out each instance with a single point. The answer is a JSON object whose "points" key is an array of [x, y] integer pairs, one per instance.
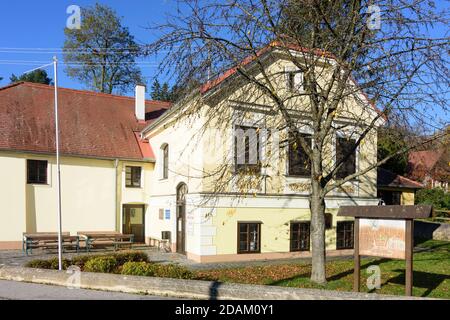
{"points": [[247, 155], [164, 160], [299, 163], [294, 79], [346, 152]]}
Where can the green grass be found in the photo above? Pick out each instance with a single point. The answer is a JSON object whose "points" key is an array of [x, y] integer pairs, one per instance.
{"points": [[431, 273]]}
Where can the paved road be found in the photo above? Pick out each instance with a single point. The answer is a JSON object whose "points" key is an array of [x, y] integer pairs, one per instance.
{"points": [[11, 290]]}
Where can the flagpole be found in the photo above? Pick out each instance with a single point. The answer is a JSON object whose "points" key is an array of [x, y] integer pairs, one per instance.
{"points": [[58, 175]]}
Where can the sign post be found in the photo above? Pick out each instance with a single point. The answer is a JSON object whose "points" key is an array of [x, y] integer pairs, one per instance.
{"points": [[385, 231]]}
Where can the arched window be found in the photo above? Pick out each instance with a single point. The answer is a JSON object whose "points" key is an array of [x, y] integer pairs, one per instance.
{"points": [[165, 161]]}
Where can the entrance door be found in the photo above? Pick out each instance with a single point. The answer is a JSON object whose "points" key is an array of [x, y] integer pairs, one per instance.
{"points": [[133, 221], [181, 218]]}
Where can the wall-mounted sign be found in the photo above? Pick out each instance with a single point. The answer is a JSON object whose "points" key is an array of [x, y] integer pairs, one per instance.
{"points": [[167, 214], [382, 238]]}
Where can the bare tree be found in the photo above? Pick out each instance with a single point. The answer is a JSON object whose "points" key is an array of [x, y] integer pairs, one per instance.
{"points": [[392, 55]]}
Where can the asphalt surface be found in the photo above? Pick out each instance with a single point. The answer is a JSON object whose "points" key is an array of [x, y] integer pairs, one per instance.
{"points": [[11, 290]]}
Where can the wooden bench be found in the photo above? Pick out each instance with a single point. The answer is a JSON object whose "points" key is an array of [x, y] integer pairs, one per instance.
{"points": [[105, 238], [47, 240]]}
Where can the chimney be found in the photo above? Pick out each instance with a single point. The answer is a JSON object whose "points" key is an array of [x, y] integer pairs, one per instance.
{"points": [[140, 103]]}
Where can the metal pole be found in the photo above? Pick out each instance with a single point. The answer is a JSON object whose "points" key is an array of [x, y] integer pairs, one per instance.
{"points": [[58, 175], [356, 257]]}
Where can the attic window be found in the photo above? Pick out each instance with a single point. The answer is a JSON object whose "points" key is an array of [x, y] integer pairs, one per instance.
{"points": [[294, 79]]}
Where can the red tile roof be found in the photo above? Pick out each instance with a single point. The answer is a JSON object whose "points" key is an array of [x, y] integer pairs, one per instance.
{"points": [[91, 124], [386, 178]]}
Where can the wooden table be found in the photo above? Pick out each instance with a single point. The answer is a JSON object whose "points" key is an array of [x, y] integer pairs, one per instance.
{"points": [[48, 240], [106, 238]]}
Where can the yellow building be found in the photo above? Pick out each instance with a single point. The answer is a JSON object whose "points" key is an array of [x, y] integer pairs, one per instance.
{"points": [[131, 166]]}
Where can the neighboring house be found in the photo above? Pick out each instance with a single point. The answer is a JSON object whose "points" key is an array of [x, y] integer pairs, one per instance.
{"points": [[431, 167], [135, 168], [394, 189], [106, 169]]}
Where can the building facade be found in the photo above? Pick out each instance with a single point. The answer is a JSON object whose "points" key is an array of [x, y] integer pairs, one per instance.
{"points": [[141, 167]]}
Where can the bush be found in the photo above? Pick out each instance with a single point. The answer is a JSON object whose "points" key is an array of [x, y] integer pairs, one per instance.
{"points": [[48, 264], [105, 264], [436, 197], [138, 269], [130, 256], [173, 271], [156, 270], [38, 264]]}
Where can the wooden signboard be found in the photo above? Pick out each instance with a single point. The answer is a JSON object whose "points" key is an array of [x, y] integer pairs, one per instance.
{"points": [[382, 238], [385, 231]]}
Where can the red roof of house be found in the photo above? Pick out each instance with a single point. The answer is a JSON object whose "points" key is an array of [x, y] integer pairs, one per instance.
{"points": [[387, 178], [91, 124]]}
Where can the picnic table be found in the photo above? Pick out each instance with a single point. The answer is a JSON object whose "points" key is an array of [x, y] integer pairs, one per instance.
{"points": [[48, 240], [104, 238]]}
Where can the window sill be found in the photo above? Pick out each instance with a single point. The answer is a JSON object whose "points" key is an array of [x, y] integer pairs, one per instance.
{"points": [[38, 183], [250, 252], [133, 187]]}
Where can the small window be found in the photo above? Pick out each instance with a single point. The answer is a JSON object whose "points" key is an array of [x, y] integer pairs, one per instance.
{"points": [[345, 148], [249, 237], [133, 177], [344, 235], [37, 172], [299, 163], [328, 221], [300, 236], [294, 80], [247, 149], [165, 161]]}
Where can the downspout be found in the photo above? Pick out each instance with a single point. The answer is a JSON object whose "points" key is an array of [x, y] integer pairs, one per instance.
{"points": [[116, 197]]}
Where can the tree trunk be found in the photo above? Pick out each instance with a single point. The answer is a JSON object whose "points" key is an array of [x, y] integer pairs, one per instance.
{"points": [[317, 206]]}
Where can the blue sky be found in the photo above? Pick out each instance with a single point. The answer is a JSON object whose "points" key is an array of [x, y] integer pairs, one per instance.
{"points": [[40, 24]]}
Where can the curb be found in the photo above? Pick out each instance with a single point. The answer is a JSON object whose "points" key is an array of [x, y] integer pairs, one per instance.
{"points": [[178, 288]]}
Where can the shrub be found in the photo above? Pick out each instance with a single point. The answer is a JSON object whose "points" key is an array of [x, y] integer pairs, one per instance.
{"points": [[130, 256], [105, 264], [156, 270], [173, 271], [436, 197], [80, 261], [39, 264], [48, 264], [138, 269]]}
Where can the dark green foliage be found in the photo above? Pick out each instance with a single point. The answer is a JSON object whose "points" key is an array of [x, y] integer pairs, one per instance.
{"points": [[37, 76], [390, 141], [156, 270], [436, 197], [105, 264], [163, 92]]}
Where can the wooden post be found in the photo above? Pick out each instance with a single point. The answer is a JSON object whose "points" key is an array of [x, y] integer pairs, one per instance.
{"points": [[409, 257], [356, 257]]}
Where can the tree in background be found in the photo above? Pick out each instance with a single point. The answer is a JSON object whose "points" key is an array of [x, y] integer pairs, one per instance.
{"points": [[102, 54], [164, 92], [393, 62], [391, 140], [437, 197], [36, 76]]}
